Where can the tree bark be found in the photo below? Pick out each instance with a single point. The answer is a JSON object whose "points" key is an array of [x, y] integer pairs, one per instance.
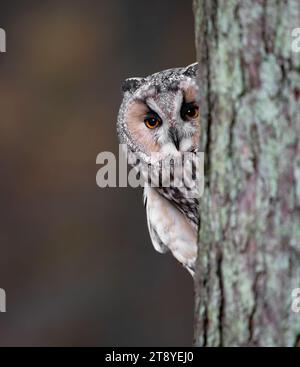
{"points": [[249, 235]]}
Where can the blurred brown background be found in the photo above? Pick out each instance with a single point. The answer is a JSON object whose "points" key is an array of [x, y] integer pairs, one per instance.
{"points": [[76, 261]]}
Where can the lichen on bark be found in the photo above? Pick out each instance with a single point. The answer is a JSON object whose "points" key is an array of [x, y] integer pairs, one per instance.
{"points": [[249, 236]]}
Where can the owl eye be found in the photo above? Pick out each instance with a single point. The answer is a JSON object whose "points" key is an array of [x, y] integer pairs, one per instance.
{"points": [[152, 121], [189, 111]]}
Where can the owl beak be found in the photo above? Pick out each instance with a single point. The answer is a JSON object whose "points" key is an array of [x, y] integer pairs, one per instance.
{"points": [[173, 134]]}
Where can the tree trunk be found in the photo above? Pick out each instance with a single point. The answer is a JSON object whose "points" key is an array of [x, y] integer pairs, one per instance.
{"points": [[249, 235]]}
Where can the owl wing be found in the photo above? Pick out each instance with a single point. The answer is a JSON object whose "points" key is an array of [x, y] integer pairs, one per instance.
{"points": [[188, 206], [156, 240], [169, 229]]}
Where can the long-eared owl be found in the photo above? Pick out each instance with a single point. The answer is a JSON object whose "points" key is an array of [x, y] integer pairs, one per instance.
{"points": [[159, 117]]}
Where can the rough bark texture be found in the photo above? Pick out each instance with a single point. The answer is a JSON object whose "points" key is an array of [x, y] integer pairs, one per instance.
{"points": [[249, 236]]}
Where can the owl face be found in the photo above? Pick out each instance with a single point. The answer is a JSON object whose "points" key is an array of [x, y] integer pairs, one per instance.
{"points": [[160, 113]]}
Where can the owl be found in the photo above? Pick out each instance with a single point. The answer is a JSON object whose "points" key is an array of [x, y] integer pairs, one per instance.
{"points": [[159, 117]]}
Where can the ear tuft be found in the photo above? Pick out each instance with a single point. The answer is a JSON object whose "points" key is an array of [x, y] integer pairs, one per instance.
{"points": [[191, 70], [131, 84]]}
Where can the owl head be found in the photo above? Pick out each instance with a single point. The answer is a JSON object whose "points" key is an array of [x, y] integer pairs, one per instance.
{"points": [[160, 113]]}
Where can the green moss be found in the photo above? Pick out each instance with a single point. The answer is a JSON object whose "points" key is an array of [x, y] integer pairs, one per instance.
{"points": [[250, 207]]}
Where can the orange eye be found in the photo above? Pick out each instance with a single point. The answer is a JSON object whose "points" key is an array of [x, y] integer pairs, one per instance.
{"points": [[152, 121], [189, 111]]}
